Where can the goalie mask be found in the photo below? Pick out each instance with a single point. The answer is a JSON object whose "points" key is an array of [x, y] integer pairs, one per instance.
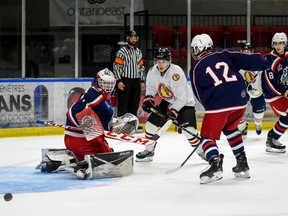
{"points": [[200, 45], [105, 80], [127, 124]]}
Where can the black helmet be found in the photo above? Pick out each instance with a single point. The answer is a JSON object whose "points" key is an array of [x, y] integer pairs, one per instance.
{"points": [[163, 54], [248, 46], [131, 34]]}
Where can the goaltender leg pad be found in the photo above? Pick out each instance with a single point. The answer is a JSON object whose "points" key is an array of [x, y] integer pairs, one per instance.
{"points": [[52, 159], [109, 165], [90, 123]]}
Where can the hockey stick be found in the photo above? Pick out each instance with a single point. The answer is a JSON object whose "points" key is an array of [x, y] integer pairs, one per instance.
{"points": [[117, 136], [175, 123], [182, 128], [179, 167], [50, 123]]}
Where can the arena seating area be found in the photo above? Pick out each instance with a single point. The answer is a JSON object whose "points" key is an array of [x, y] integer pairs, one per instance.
{"points": [[223, 37]]}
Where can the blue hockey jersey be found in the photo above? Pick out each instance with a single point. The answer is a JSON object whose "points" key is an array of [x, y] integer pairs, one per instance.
{"points": [[217, 83], [100, 103], [275, 80]]}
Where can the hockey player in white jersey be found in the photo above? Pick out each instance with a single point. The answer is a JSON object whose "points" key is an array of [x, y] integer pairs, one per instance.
{"points": [[169, 82], [254, 94]]}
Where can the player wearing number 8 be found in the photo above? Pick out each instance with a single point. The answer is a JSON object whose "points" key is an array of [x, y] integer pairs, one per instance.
{"points": [[220, 88], [275, 89]]}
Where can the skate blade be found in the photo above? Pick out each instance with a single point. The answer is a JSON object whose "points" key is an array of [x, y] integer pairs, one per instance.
{"points": [[147, 159], [244, 175], [40, 166], [217, 176], [273, 150]]}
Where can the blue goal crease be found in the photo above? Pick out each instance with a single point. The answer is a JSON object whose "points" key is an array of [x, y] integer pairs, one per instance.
{"points": [[29, 180]]}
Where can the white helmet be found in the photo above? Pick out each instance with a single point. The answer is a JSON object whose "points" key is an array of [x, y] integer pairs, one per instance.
{"points": [[105, 80], [279, 37], [203, 42]]}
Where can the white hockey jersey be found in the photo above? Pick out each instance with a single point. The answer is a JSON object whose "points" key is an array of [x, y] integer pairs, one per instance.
{"points": [[253, 80], [172, 86]]}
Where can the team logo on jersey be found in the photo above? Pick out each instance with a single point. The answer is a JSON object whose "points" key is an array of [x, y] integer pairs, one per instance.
{"points": [[175, 77], [165, 92], [243, 94], [279, 67], [249, 76], [87, 122]]}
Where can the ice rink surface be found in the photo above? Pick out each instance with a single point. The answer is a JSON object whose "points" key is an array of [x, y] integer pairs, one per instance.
{"points": [[148, 191]]}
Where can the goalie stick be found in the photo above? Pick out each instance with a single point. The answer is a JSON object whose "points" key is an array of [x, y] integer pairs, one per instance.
{"points": [[184, 129], [117, 136]]}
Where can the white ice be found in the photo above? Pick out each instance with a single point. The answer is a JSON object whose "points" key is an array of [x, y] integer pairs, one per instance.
{"points": [[149, 191]]}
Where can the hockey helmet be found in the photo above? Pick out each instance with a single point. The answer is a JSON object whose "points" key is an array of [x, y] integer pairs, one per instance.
{"points": [[105, 80], [163, 54], [130, 34], [248, 46], [200, 45], [279, 37]]}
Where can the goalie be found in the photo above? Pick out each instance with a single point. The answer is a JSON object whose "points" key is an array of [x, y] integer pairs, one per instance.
{"points": [[93, 114]]}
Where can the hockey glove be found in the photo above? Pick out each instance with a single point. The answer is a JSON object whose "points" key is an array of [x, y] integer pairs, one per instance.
{"points": [[148, 103], [172, 114]]}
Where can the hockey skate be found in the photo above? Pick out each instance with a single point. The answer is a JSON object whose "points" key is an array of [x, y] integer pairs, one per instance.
{"points": [[79, 171], [214, 172], [258, 129], [274, 146], [241, 170], [145, 156]]}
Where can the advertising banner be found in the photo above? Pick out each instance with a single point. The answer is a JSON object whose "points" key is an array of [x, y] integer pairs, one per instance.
{"points": [[21, 103], [24, 102], [91, 12]]}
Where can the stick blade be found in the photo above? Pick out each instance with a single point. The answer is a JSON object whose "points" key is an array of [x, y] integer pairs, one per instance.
{"points": [[173, 170]]}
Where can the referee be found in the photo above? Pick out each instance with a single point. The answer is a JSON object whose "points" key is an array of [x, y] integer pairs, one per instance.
{"points": [[128, 68]]}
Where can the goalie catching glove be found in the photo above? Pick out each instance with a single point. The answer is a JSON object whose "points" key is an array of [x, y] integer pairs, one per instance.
{"points": [[126, 124], [148, 103]]}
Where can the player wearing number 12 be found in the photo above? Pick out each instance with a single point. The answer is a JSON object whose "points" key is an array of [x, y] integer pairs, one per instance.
{"points": [[220, 88]]}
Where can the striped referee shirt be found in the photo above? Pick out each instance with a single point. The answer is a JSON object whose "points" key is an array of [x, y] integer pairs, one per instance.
{"points": [[129, 63]]}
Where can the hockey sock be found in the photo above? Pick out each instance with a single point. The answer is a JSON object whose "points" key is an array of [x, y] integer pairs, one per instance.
{"points": [[279, 128], [235, 141], [210, 148]]}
